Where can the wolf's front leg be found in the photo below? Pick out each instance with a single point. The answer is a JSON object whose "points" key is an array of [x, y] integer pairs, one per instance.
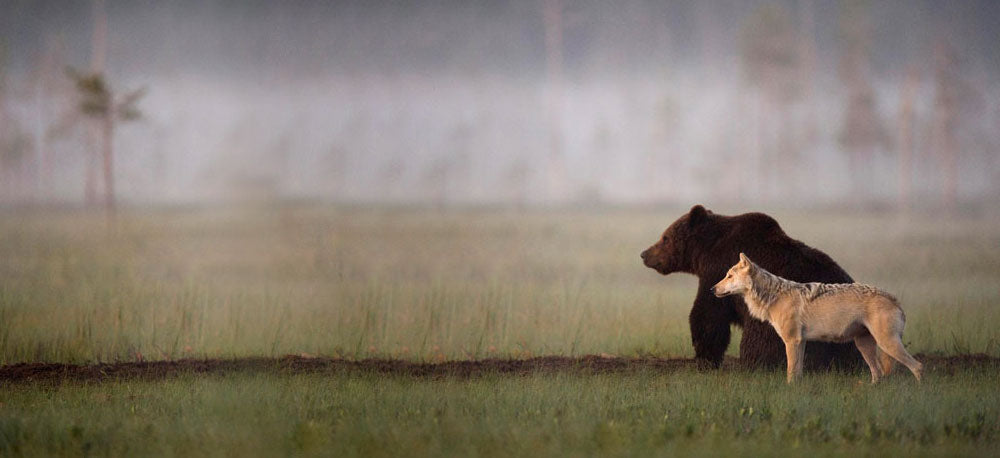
{"points": [[869, 351], [794, 352], [800, 359]]}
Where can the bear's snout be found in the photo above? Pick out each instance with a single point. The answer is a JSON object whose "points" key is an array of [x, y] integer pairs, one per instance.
{"points": [[649, 258], [658, 258]]}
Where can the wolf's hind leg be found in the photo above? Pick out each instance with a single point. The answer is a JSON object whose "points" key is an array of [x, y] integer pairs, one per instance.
{"points": [[894, 347], [885, 362], [869, 351], [800, 354]]}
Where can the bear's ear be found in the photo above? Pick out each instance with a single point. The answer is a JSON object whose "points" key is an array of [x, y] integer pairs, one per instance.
{"points": [[697, 215]]}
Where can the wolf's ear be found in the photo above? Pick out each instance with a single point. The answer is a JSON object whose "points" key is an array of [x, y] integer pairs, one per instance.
{"points": [[697, 215], [744, 259]]}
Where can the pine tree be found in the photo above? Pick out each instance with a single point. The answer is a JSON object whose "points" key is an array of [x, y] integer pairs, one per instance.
{"points": [[99, 102]]}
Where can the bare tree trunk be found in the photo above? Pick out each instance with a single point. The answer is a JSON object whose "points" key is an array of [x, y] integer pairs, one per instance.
{"points": [[553, 63], [7, 190], [47, 90], [807, 72], [950, 169], [39, 89], [107, 148], [946, 114], [41, 156], [906, 139], [98, 57], [766, 161], [786, 180], [760, 145], [90, 180]]}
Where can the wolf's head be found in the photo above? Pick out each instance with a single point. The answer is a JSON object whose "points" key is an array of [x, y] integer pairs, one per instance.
{"points": [[738, 280]]}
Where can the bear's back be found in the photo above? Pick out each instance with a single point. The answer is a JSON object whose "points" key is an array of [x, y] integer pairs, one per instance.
{"points": [[761, 238]]}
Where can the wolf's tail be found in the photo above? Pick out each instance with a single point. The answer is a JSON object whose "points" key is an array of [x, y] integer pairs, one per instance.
{"points": [[885, 361]]}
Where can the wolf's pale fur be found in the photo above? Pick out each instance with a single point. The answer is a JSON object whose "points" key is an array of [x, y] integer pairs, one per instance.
{"points": [[799, 312]]}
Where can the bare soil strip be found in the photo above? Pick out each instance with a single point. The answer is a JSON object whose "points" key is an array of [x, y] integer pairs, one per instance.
{"points": [[292, 364]]}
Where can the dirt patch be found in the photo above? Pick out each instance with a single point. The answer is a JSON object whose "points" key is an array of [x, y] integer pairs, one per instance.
{"points": [[51, 372], [39, 372]]}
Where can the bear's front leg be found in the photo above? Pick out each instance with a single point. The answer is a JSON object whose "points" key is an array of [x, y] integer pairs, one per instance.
{"points": [[710, 320], [760, 347]]}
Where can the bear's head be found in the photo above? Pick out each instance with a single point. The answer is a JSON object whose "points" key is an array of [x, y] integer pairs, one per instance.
{"points": [[673, 252]]}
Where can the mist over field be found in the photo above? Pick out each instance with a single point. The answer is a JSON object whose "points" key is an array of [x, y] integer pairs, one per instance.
{"points": [[514, 103]]}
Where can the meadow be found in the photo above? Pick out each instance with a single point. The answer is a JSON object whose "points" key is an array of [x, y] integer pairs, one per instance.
{"points": [[430, 285]]}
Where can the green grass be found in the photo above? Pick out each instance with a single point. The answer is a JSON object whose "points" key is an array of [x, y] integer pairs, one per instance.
{"points": [[431, 285], [685, 413]]}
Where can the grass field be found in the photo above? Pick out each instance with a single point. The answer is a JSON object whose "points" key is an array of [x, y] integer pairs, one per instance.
{"points": [[428, 286], [686, 413]]}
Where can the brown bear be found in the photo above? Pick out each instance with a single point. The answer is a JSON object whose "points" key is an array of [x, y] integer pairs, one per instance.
{"points": [[707, 245]]}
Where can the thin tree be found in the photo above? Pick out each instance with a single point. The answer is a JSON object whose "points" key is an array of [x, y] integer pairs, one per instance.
{"points": [[14, 143], [98, 59], [99, 102], [862, 131], [556, 165], [658, 172], [948, 86], [907, 102], [772, 61], [807, 72], [53, 116], [957, 113]]}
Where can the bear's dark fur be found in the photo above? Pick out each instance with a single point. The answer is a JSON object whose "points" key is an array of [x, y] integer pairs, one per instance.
{"points": [[707, 245]]}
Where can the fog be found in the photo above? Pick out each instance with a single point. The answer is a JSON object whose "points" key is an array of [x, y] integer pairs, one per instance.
{"points": [[507, 103]]}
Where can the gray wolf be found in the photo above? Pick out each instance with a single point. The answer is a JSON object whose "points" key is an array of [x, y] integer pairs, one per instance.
{"points": [[826, 312]]}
